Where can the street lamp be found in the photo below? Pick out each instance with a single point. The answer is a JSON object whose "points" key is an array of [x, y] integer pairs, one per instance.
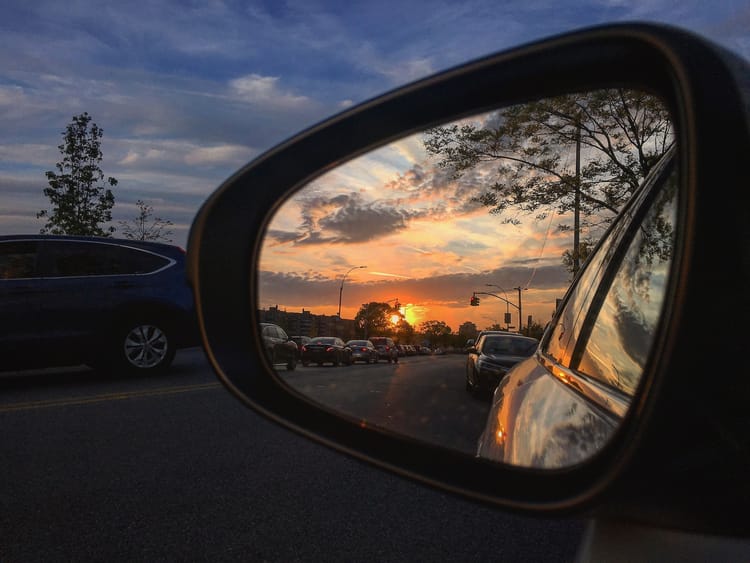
{"points": [[341, 288]]}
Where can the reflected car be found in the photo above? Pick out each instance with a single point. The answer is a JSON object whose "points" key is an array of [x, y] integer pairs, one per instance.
{"points": [[493, 356], [363, 351], [326, 350], [300, 341], [583, 380], [386, 348], [280, 348], [114, 304]]}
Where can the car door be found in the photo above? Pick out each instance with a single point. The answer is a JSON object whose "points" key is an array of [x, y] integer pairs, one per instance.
{"points": [[19, 308], [557, 408]]}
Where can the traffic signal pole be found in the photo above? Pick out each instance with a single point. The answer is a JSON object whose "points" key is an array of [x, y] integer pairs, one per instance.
{"points": [[475, 303]]}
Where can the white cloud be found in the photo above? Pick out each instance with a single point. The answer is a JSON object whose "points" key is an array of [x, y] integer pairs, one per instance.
{"points": [[223, 154], [264, 90], [162, 152]]}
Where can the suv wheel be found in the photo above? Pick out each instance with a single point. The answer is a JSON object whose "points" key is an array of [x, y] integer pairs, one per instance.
{"points": [[143, 347]]}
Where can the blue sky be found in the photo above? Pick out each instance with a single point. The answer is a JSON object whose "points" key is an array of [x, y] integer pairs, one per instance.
{"points": [[188, 92]]}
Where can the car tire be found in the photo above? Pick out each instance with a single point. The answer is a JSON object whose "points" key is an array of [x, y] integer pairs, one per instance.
{"points": [[141, 346], [291, 364], [305, 364]]}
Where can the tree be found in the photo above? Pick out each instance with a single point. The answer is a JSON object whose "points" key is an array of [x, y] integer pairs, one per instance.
{"points": [[404, 332], [435, 331], [535, 330], [375, 318], [80, 204], [468, 330], [584, 154], [144, 227]]}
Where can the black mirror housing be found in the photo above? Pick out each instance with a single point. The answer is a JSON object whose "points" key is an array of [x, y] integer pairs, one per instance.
{"points": [[687, 433]]}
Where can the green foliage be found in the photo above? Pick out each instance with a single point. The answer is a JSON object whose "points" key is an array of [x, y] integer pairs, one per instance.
{"points": [[79, 203], [528, 153], [144, 227]]}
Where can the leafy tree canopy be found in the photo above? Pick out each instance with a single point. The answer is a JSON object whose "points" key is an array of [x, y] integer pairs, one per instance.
{"points": [[79, 197], [528, 152]]}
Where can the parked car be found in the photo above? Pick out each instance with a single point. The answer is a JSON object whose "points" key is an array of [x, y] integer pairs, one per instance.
{"points": [[280, 348], [386, 348], [300, 341], [326, 350], [489, 361], [619, 418], [115, 304], [363, 351]]}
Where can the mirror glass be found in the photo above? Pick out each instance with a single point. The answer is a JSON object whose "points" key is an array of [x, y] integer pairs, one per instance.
{"points": [[377, 279]]}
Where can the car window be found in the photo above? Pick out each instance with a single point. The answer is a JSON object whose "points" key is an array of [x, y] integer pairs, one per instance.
{"points": [[67, 259], [18, 259], [564, 334], [622, 334]]}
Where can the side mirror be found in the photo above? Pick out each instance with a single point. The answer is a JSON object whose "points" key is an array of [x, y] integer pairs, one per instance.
{"points": [[612, 413]]}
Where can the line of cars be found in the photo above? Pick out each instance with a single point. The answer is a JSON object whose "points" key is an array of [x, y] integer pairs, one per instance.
{"points": [[289, 351]]}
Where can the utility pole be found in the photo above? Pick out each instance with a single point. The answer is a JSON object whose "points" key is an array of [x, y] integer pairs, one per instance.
{"points": [[520, 314]]}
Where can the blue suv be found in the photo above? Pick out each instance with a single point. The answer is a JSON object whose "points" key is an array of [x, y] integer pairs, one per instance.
{"points": [[115, 304]]}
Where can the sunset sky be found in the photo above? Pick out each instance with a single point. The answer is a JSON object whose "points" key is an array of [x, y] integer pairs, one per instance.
{"points": [[186, 93], [421, 237]]}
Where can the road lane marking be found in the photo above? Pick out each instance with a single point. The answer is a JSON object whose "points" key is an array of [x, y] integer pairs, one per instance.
{"points": [[32, 405]]}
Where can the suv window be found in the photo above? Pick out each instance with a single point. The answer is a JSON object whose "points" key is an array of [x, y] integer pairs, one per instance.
{"points": [[65, 259], [623, 332], [606, 328], [565, 334], [18, 259]]}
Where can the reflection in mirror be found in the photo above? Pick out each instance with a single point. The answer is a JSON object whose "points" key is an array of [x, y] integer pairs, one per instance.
{"points": [[418, 246]]}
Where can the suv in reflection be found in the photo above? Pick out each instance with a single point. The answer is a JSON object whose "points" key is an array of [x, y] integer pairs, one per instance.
{"points": [[280, 347], [117, 304], [386, 348]]}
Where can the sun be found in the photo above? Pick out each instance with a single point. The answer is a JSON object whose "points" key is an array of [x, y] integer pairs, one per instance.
{"points": [[395, 319]]}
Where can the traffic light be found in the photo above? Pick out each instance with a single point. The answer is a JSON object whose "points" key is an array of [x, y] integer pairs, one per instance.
{"points": [[474, 301]]}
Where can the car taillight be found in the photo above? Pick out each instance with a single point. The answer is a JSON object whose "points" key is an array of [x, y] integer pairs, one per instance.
{"points": [[329, 349], [364, 349], [304, 348]]}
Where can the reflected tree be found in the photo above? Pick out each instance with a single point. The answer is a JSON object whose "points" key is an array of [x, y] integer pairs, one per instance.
{"points": [[584, 154]]}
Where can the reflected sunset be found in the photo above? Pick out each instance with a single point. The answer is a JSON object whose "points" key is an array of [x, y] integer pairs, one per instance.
{"points": [[423, 237]]}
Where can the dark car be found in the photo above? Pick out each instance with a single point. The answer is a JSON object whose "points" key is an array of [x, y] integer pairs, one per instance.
{"points": [[386, 348], [280, 348], [495, 353], [300, 341], [110, 303], [326, 350], [363, 351]]}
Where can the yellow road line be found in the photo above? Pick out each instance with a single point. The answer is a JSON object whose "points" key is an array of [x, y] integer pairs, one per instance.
{"points": [[71, 401]]}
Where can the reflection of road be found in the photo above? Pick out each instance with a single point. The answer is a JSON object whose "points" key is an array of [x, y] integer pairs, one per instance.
{"points": [[421, 396]]}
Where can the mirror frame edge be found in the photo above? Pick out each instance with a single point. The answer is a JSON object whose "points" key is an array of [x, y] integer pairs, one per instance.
{"points": [[667, 71]]}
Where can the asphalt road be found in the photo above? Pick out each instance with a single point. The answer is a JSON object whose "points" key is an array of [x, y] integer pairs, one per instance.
{"points": [[175, 469], [423, 397]]}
